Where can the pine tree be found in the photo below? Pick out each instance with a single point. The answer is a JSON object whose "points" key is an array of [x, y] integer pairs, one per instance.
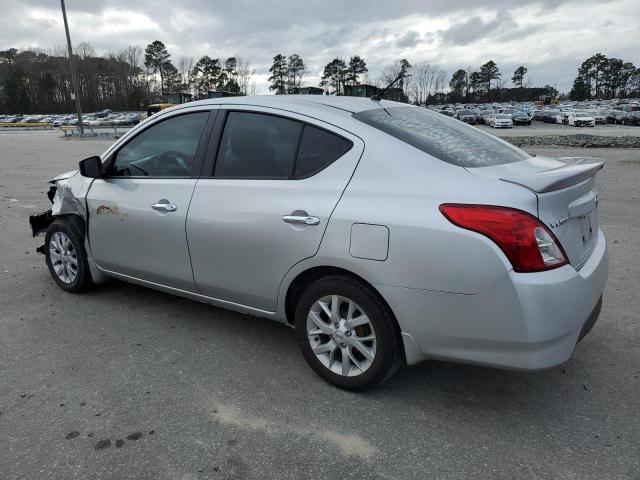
{"points": [[278, 78]]}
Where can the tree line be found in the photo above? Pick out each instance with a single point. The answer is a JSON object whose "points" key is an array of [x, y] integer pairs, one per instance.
{"points": [[603, 77], [36, 80], [419, 83], [39, 81]]}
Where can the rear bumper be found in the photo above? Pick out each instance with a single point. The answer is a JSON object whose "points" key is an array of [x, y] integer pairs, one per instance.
{"points": [[526, 321]]}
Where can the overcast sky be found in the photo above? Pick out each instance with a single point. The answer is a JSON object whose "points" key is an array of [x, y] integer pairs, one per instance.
{"points": [[550, 37]]}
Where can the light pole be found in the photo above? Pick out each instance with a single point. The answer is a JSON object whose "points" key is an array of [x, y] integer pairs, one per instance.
{"points": [[74, 74]]}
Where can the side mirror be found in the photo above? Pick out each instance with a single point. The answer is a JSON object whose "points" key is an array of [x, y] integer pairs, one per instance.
{"points": [[91, 167]]}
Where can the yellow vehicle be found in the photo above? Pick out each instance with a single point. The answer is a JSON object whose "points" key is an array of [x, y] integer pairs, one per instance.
{"points": [[156, 107], [171, 100]]}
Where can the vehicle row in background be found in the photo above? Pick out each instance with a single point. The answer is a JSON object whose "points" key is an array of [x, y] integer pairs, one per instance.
{"points": [[583, 114], [105, 118]]}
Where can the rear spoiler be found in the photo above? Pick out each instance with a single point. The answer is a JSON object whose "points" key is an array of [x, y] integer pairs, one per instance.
{"points": [[575, 171], [542, 174]]}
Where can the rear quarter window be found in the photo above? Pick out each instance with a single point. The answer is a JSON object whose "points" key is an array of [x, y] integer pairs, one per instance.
{"points": [[318, 149], [442, 137]]}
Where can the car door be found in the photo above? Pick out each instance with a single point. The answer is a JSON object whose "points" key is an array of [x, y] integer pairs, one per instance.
{"points": [[137, 213], [275, 178]]}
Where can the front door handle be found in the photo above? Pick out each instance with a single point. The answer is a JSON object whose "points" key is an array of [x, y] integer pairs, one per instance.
{"points": [[164, 206], [301, 219]]}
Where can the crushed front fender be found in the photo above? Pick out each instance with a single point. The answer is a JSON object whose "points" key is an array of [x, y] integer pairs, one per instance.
{"points": [[40, 222], [68, 196]]}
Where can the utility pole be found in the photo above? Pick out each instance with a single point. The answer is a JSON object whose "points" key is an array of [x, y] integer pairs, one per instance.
{"points": [[74, 73]]}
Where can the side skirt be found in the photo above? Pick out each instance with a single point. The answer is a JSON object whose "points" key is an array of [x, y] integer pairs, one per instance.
{"points": [[256, 312]]}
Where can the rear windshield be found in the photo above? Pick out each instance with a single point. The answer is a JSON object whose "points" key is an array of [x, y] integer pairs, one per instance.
{"points": [[442, 137]]}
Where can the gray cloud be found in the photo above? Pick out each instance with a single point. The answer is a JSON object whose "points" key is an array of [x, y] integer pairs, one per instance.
{"points": [[450, 34], [409, 39], [475, 28]]}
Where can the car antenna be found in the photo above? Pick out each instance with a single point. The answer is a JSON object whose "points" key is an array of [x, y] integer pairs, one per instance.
{"points": [[378, 96]]}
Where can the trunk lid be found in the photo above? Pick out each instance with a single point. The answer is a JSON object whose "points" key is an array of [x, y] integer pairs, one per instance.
{"points": [[567, 197]]}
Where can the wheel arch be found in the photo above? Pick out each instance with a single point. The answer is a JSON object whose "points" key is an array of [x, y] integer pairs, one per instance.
{"points": [[74, 220], [306, 277]]}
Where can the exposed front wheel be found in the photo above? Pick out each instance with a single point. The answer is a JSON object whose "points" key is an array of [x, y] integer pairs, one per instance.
{"points": [[346, 333], [66, 257]]}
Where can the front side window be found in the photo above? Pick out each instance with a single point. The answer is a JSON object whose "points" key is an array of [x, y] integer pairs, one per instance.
{"points": [[255, 145], [166, 149], [442, 137]]}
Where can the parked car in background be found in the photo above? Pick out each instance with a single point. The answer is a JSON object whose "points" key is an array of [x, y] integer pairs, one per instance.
{"points": [[547, 116], [631, 118], [521, 118], [560, 117], [615, 116], [598, 116], [484, 115], [477, 252], [500, 120], [580, 119], [466, 116]]}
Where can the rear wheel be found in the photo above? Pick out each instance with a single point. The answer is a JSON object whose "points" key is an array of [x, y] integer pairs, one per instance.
{"points": [[346, 333], [66, 257]]}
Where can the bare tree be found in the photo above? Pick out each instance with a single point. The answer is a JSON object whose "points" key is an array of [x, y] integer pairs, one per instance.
{"points": [[84, 50], [440, 81], [399, 68], [245, 73], [185, 65], [420, 87]]}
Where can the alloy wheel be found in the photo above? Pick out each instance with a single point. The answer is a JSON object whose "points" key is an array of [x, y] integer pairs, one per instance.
{"points": [[64, 259], [341, 335]]}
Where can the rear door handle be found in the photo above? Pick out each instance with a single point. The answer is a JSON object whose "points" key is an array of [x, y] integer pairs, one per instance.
{"points": [[164, 206], [301, 219]]}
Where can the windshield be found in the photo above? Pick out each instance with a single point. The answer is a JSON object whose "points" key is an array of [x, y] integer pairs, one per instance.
{"points": [[442, 137], [581, 115]]}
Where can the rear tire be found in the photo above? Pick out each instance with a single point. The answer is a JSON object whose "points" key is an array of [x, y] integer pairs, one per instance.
{"points": [[347, 334], [66, 256]]}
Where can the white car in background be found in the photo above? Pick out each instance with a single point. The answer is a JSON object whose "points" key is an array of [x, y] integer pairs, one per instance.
{"points": [[500, 120], [580, 119], [599, 117], [485, 114], [561, 117]]}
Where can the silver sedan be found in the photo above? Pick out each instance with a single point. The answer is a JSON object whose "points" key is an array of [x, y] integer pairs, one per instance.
{"points": [[385, 234]]}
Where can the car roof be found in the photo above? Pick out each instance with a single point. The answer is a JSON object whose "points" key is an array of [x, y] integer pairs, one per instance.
{"points": [[307, 102]]}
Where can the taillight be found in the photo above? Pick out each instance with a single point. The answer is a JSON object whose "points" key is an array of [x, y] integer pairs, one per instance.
{"points": [[527, 243]]}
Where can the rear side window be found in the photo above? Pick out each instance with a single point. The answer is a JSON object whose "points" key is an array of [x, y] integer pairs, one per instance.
{"points": [[442, 137], [318, 149], [255, 145]]}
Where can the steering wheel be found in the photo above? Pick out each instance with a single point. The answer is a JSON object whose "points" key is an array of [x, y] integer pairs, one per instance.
{"points": [[182, 161]]}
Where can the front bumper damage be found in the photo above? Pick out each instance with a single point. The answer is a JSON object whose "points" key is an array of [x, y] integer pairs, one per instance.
{"points": [[67, 195]]}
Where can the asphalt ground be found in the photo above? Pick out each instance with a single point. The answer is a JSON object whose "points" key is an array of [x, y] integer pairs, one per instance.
{"points": [[127, 383]]}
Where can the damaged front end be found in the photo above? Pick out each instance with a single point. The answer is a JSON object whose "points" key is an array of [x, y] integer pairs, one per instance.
{"points": [[67, 194]]}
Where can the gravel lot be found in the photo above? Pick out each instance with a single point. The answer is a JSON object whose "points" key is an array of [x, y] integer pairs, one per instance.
{"points": [[128, 383], [544, 129]]}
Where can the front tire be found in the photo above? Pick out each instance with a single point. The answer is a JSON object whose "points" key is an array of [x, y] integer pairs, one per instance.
{"points": [[347, 334], [66, 256]]}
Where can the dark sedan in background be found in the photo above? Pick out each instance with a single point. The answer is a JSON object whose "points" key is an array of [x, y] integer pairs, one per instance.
{"points": [[631, 118], [521, 118], [615, 116]]}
